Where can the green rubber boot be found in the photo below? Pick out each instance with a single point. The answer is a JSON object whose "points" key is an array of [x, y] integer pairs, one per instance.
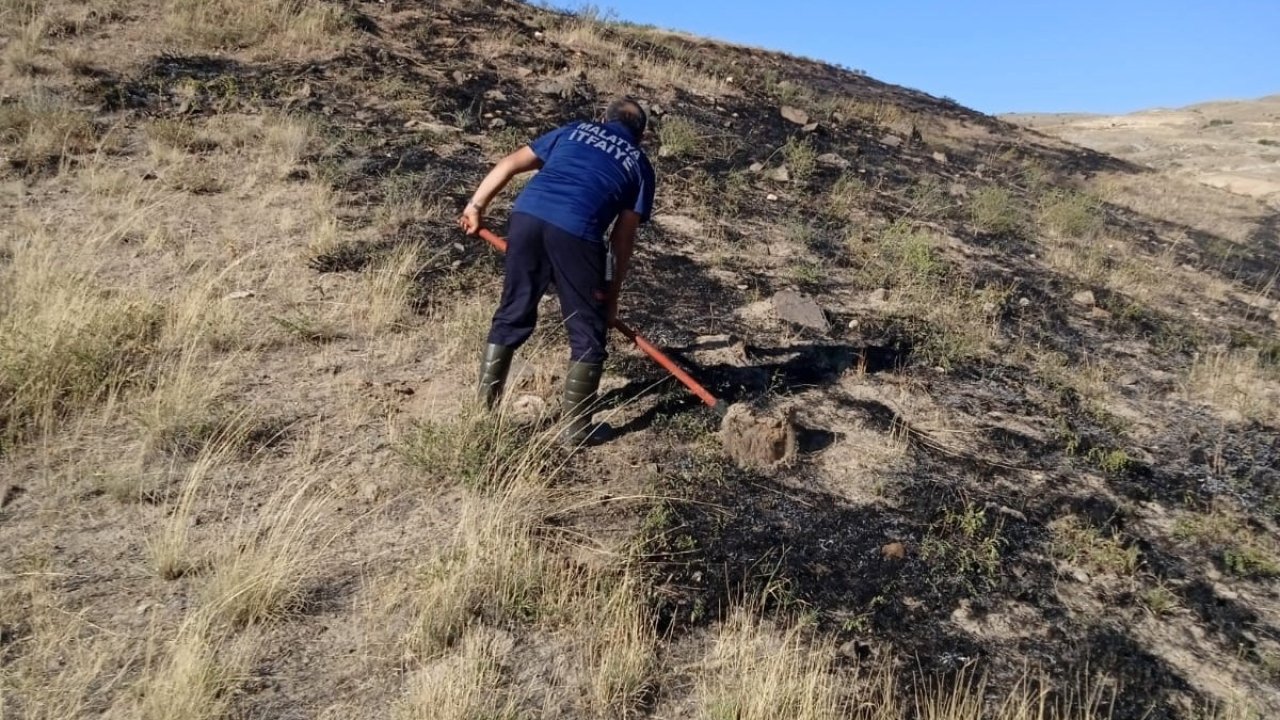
{"points": [[494, 365], [580, 386]]}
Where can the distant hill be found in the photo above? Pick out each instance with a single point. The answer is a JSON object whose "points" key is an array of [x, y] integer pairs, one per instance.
{"points": [[1234, 145]]}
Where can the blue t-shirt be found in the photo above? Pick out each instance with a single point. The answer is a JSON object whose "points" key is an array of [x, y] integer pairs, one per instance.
{"points": [[590, 173]]}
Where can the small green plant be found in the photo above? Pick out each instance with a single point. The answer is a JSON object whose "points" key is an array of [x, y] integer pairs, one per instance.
{"points": [[1269, 142], [1220, 122], [1160, 600], [929, 200], [1084, 545], [906, 257], [1112, 462], [1069, 214], [801, 159], [807, 272], [848, 195], [478, 450], [966, 545], [1242, 551], [1250, 561], [994, 210], [678, 137]]}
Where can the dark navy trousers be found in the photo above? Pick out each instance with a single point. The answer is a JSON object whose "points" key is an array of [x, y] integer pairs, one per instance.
{"points": [[538, 254]]}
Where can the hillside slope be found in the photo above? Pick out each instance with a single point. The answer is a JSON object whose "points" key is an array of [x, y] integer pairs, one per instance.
{"points": [[241, 476], [1232, 145]]}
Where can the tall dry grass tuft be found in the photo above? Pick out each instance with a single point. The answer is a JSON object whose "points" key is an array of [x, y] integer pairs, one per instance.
{"points": [[466, 685], [21, 54], [494, 569], [66, 342], [57, 664], [759, 672], [195, 679], [274, 27], [185, 408], [616, 644], [382, 299], [264, 568], [170, 550], [1240, 383], [39, 129], [285, 142]]}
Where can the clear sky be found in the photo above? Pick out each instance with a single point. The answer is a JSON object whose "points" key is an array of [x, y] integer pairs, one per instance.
{"points": [[1106, 56]]}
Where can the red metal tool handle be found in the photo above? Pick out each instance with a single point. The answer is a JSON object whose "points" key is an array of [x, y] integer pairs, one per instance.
{"points": [[645, 346]]}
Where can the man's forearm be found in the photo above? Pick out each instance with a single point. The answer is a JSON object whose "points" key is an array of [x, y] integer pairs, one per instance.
{"points": [[522, 160], [492, 184]]}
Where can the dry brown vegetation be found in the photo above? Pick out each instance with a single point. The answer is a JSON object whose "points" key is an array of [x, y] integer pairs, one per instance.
{"points": [[241, 474]]}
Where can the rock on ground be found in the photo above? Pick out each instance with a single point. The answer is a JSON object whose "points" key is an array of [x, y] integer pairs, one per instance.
{"points": [[800, 309]]}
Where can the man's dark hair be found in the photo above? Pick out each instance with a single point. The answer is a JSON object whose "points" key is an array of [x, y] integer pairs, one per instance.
{"points": [[628, 112]]}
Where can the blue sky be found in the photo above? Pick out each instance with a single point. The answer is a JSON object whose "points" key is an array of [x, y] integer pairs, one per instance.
{"points": [[1012, 55]]}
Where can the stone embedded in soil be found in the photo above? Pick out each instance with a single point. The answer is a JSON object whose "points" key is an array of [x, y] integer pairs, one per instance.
{"points": [[940, 157], [794, 114], [756, 167], [812, 127], [892, 141], [780, 174], [1084, 298], [832, 160], [758, 441], [800, 309]]}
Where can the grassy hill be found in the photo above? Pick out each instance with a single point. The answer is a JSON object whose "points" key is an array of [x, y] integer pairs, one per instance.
{"points": [[240, 475]]}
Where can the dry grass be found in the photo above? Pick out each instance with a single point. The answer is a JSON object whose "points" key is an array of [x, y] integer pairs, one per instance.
{"points": [[185, 408], [381, 300], [195, 680], [493, 570], [1158, 195], [481, 450], [849, 197], [996, 210], [263, 569], [679, 137], [170, 549], [465, 685], [272, 27], [959, 319], [875, 112], [616, 646], [1242, 550], [66, 342], [39, 129], [58, 665], [1241, 384], [758, 672], [24, 47], [1065, 213], [285, 142], [801, 158], [616, 65]]}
